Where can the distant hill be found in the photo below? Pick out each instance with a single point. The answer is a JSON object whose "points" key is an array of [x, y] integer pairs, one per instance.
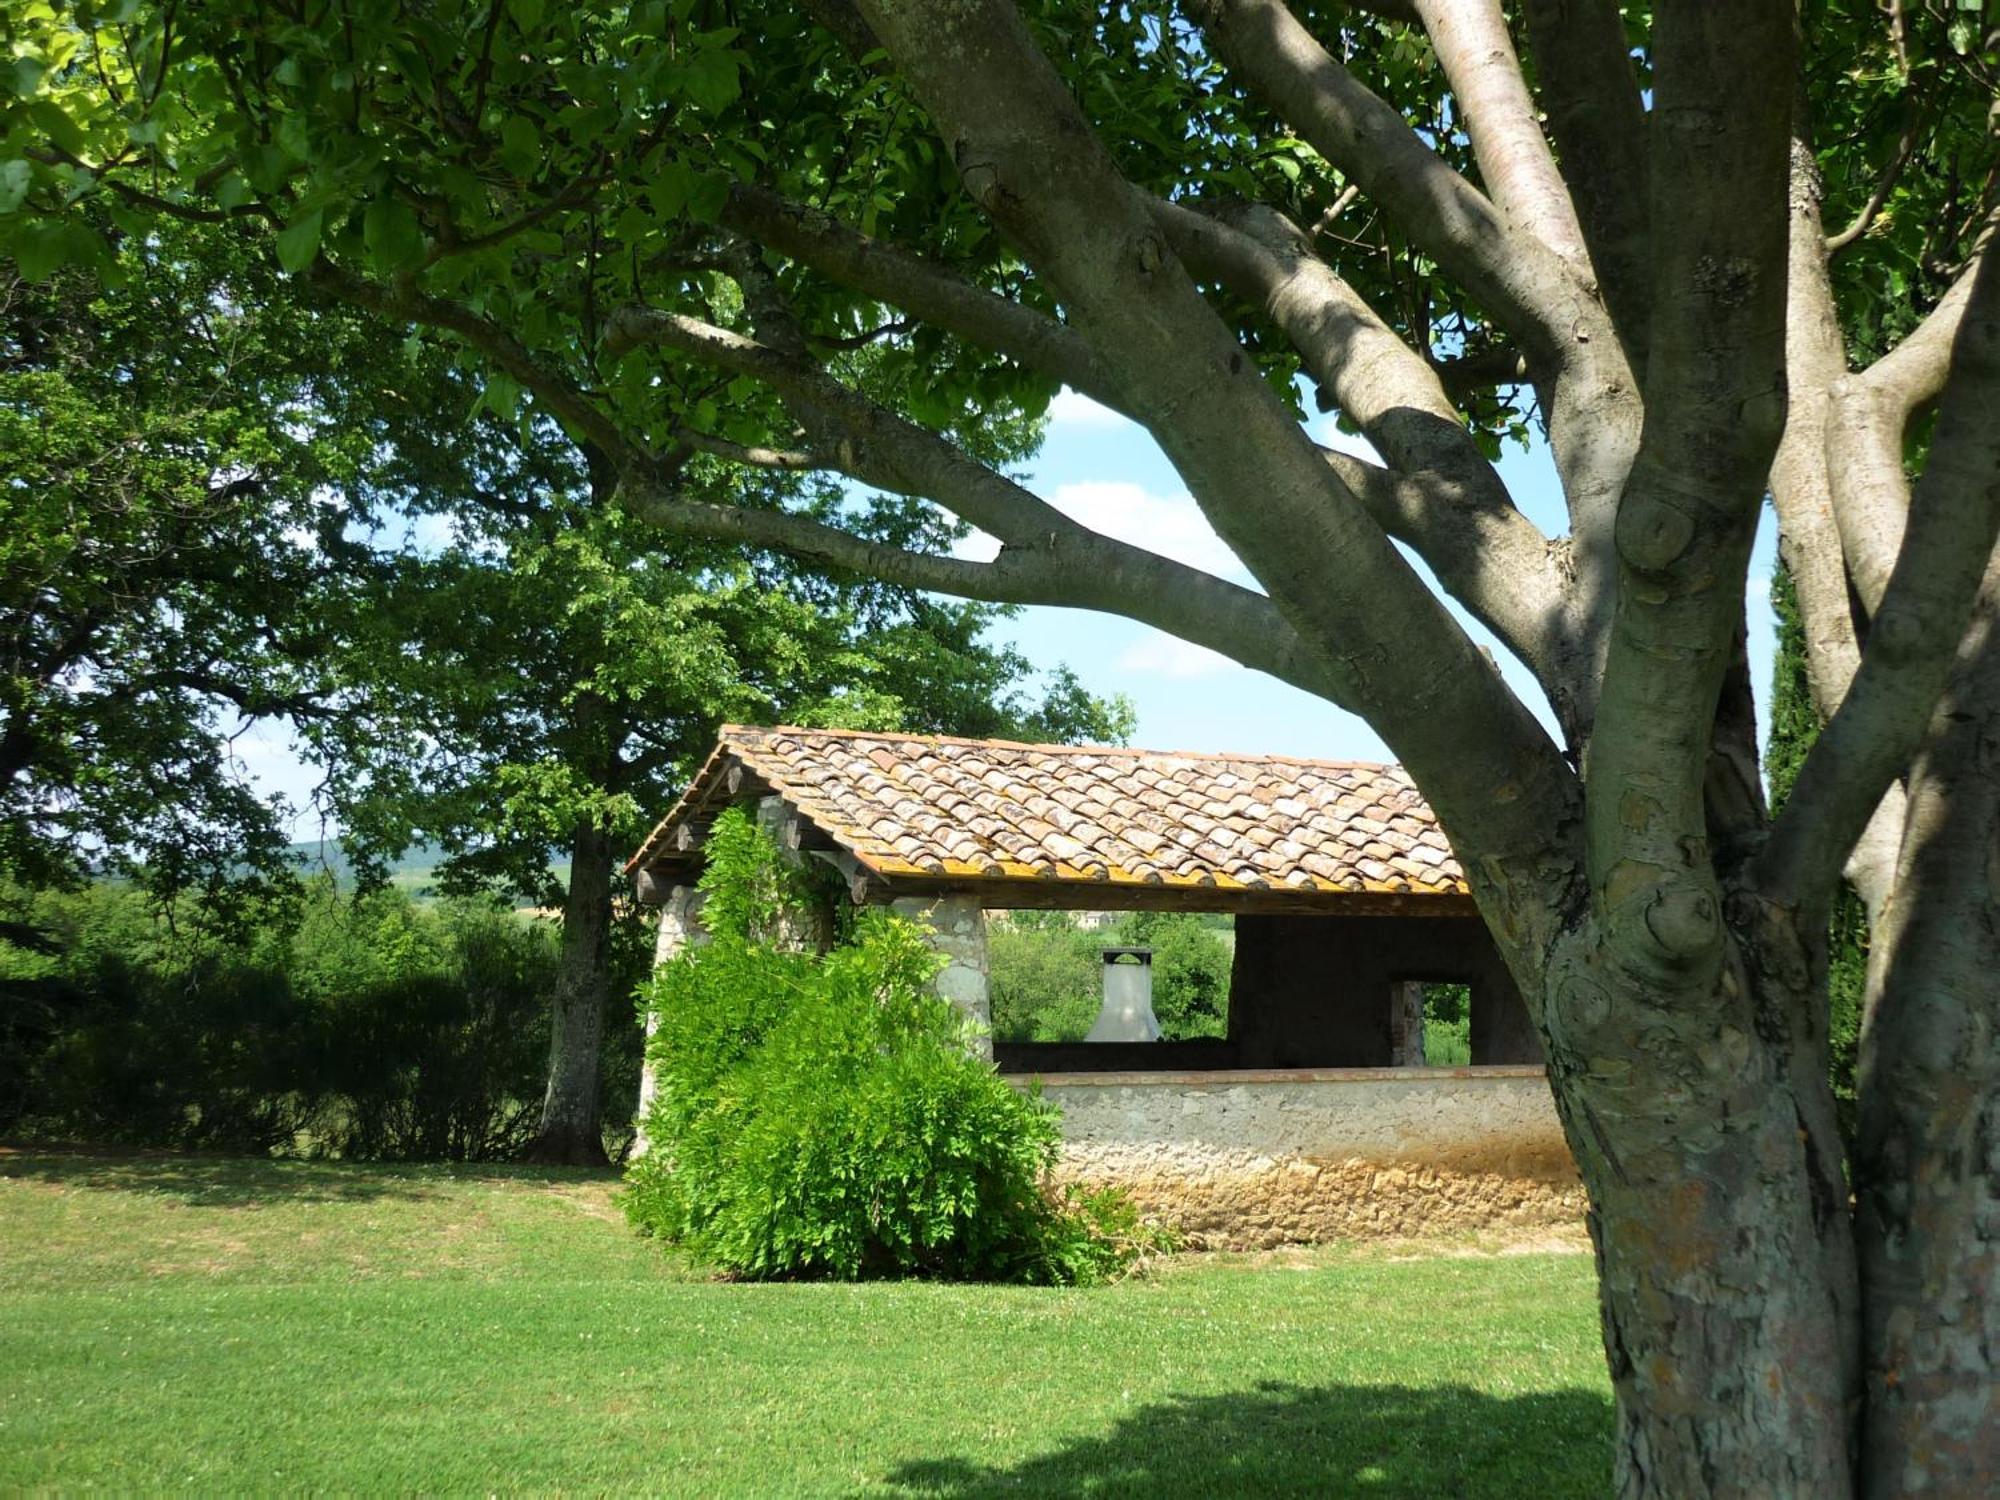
{"points": [[412, 868], [414, 871]]}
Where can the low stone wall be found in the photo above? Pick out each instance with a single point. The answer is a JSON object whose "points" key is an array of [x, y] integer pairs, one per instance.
{"points": [[1248, 1160]]}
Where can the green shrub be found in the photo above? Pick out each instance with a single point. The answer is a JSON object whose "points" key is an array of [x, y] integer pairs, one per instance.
{"points": [[365, 1027], [820, 1115]]}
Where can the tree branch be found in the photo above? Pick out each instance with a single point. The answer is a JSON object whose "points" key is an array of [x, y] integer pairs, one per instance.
{"points": [[751, 455], [402, 302], [1472, 43], [1870, 414], [1906, 147], [1076, 568], [862, 439], [1444, 498], [1519, 281], [1954, 520], [1584, 67], [919, 286], [1713, 417]]}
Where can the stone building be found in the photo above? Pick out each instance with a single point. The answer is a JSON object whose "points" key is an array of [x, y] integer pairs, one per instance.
{"points": [[1314, 1116]]}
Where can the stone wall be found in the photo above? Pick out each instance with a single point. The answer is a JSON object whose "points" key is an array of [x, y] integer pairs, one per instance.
{"points": [[1250, 1160]]}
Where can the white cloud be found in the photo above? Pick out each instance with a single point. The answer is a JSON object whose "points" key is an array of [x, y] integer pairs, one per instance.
{"points": [[1174, 527], [1071, 409], [1156, 651]]}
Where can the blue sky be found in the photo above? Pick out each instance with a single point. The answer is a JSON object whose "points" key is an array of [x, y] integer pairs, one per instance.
{"points": [[1106, 472]]}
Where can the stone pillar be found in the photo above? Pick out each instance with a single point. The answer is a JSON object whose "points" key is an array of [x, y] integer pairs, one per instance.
{"points": [[1406, 1024], [680, 924], [958, 932]]}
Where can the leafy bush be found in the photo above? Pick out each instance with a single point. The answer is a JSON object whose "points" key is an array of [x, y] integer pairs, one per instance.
{"points": [[1047, 985], [369, 1027], [819, 1114], [1448, 1025]]}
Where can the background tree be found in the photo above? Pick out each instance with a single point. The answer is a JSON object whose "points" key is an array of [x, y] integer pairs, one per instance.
{"points": [[532, 693], [876, 239], [165, 450]]}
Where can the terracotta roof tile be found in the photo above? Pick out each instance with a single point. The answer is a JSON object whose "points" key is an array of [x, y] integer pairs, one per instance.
{"points": [[914, 805]]}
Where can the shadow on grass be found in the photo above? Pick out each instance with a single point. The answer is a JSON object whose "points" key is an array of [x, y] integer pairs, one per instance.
{"points": [[1281, 1439], [236, 1182]]}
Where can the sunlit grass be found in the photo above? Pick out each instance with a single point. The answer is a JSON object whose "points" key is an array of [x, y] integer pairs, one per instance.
{"points": [[249, 1325]]}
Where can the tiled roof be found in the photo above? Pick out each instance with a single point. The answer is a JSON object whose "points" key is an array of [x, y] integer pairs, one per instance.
{"points": [[934, 808]]}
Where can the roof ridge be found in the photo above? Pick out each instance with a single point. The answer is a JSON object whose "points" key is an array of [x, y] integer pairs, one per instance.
{"points": [[906, 737]]}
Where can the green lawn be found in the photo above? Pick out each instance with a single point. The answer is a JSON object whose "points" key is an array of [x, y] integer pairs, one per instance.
{"points": [[232, 1326]]}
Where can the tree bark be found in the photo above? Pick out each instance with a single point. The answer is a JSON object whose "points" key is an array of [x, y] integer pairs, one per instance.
{"points": [[1704, 1129], [572, 1133], [1927, 1162]]}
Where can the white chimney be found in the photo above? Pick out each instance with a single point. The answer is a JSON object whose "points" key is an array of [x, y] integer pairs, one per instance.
{"points": [[1127, 1015]]}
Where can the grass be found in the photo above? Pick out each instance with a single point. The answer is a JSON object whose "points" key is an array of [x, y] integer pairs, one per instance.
{"points": [[255, 1326]]}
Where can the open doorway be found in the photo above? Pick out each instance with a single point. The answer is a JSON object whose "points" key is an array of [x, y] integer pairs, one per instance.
{"points": [[1431, 1024]]}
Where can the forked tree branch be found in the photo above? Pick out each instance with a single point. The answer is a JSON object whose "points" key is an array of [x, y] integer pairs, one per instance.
{"points": [[1519, 281], [1048, 558], [1032, 162], [1538, 298], [1714, 416], [1949, 542], [1439, 495], [1870, 413]]}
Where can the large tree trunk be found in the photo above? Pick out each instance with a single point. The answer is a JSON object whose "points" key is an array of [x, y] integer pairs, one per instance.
{"points": [[1927, 1168], [572, 1133], [1703, 1126]]}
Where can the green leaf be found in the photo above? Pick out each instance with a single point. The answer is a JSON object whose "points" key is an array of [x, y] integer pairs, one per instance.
{"points": [[15, 177], [266, 167], [670, 188], [707, 195], [232, 191], [527, 14], [40, 250], [298, 242], [520, 146], [22, 76], [710, 79], [56, 123], [502, 396], [293, 135], [393, 238]]}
